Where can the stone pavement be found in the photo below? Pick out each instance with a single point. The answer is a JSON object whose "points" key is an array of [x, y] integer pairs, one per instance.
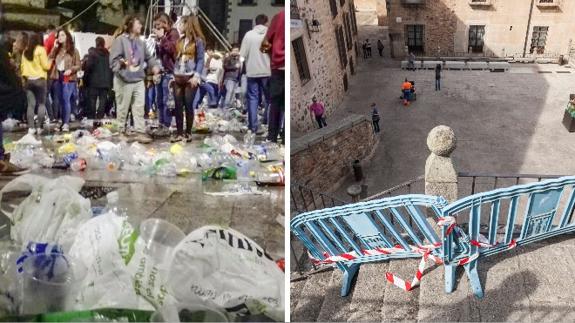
{"points": [[504, 122]]}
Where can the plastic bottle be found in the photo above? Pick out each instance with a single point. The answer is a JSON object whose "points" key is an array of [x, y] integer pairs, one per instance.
{"points": [[249, 139], [112, 205], [78, 164]]}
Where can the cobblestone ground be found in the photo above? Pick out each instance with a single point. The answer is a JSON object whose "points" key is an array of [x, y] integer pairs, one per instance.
{"points": [[505, 122]]}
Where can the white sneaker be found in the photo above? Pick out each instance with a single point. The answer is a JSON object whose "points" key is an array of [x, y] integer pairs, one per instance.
{"points": [[72, 117], [31, 131], [65, 128], [39, 131]]}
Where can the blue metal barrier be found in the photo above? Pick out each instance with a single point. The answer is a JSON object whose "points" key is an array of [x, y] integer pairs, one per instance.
{"points": [[401, 223]]}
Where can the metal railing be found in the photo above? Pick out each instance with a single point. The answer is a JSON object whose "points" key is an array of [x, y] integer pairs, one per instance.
{"points": [[491, 181], [305, 199], [408, 187]]}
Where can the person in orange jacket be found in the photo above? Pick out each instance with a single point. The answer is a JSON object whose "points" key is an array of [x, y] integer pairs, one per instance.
{"points": [[406, 88]]}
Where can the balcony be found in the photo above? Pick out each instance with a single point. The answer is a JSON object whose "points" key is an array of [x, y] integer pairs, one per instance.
{"points": [[551, 4], [481, 3], [413, 2]]}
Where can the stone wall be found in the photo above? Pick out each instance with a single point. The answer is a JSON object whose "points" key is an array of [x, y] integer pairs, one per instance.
{"points": [[447, 26], [327, 74], [321, 160]]}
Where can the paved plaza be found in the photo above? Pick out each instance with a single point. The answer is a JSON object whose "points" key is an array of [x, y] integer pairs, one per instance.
{"points": [[506, 123]]}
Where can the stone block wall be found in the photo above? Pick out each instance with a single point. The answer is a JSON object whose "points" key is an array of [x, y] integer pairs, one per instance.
{"points": [[327, 73], [440, 24], [321, 160]]}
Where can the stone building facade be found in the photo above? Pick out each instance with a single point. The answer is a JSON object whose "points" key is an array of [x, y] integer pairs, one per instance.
{"points": [[323, 55], [494, 28]]}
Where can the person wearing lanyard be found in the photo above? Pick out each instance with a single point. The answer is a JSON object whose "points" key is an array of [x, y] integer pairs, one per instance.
{"points": [[187, 75], [166, 40], [63, 73], [129, 58]]}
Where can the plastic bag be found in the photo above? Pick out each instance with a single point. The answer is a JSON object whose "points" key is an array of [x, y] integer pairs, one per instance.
{"points": [[28, 140], [224, 267], [9, 124], [105, 245], [51, 213]]}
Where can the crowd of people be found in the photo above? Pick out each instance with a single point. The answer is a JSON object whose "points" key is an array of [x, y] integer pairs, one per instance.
{"points": [[49, 85]]}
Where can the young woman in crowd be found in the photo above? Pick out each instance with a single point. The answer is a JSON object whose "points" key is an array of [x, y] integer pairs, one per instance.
{"points": [[34, 68], [187, 75], [63, 73]]}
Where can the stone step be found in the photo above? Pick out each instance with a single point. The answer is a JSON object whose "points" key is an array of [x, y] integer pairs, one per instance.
{"points": [[295, 293], [368, 293], [311, 297], [334, 307], [399, 305], [436, 305]]}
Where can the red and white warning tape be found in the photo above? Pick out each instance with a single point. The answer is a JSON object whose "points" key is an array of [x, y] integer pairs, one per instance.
{"points": [[425, 251]]}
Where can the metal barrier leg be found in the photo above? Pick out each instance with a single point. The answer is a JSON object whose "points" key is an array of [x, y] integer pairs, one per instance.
{"points": [[471, 270], [450, 277], [348, 276]]}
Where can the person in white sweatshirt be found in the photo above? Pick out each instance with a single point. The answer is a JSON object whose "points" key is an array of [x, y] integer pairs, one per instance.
{"points": [[258, 70]]}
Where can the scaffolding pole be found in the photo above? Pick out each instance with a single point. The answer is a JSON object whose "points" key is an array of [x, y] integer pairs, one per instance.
{"points": [[155, 7]]}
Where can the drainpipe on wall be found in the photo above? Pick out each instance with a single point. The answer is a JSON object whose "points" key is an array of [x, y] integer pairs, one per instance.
{"points": [[528, 28]]}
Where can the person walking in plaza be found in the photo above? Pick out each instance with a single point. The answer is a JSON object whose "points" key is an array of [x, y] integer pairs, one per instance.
{"points": [[190, 52], [368, 47], [274, 44], [98, 77], [406, 88], [128, 60], [34, 68], [411, 61], [438, 77], [258, 70], [166, 40], [63, 74], [232, 73], [316, 111], [375, 118], [380, 47]]}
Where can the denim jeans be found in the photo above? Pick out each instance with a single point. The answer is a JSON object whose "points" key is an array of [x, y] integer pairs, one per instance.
{"points": [[256, 85], [162, 96], [211, 90], [64, 91], [150, 99], [230, 93], [437, 84]]}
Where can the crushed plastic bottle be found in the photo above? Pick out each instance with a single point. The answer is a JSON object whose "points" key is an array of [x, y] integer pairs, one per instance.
{"points": [[78, 164], [249, 139], [219, 173]]}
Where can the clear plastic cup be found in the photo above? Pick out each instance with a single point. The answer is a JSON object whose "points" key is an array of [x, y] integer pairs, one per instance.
{"points": [[187, 312], [48, 283], [160, 238]]}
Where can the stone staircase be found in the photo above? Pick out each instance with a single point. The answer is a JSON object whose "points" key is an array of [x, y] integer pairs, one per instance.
{"points": [[524, 284]]}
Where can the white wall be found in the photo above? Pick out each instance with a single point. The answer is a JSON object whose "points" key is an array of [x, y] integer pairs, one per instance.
{"points": [[238, 13]]}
